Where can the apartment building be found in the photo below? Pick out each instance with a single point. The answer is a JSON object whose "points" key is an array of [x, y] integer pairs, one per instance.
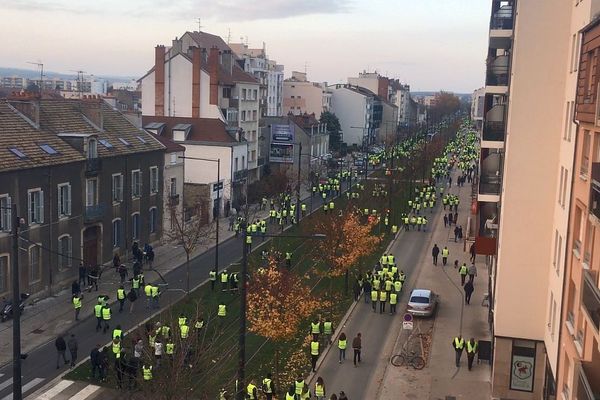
{"points": [[86, 182], [301, 96], [579, 320], [477, 102]]}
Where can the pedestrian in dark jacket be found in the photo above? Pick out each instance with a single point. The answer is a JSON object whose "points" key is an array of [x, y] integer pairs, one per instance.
{"points": [[434, 253], [468, 291], [472, 252], [367, 290], [356, 290], [95, 361], [61, 348], [116, 262], [122, 273], [445, 220], [73, 346], [357, 346], [132, 297], [82, 275], [455, 218], [450, 219], [456, 233], [75, 288], [342, 396], [103, 363]]}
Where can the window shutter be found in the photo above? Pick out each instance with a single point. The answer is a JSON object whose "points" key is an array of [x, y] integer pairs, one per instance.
{"points": [[9, 221], [30, 210], [41, 207], [60, 201], [68, 200]]}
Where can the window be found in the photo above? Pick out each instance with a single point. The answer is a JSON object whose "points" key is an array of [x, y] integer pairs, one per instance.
{"points": [[92, 148], [48, 149], [235, 165], [153, 179], [226, 92], [125, 142], [5, 213], [65, 252], [17, 153], [116, 232], [585, 155], [561, 184], [173, 158], [153, 219], [3, 273], [173, 187], [254, 114], [64, 199], [135, 226], [567, 120], [555, 257], [91, 192], [106, 143], [34, 263], [35, 206], [136, 183], [559, 258], [255, 94], [243, 94], [117, 188], [243, 115], [571, 116], [141, 139], [243, 162]]}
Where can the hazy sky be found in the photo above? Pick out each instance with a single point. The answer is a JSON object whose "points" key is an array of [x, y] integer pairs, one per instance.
{"points": [[430, 44]]}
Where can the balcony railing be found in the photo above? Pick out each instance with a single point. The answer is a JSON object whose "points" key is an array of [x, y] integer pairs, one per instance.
{"points": [[503, 18], [240, 175], [590, 298], [93, 166], [94, 213], [493, 131], [497, 72], [489, 184]]}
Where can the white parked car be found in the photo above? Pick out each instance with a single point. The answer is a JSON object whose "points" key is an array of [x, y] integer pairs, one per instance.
{"points": [[422, 303]]}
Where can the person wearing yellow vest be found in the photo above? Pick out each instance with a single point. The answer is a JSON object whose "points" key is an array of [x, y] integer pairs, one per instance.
{"points": [[472, 349], [305, 393], [148, 293], [342, 344], [458, 344], [98, 314], [165, 331], [222, 313], [77, 305], [374, 297], [291, 393], [117, 332], [320, 389], [116, 347], [463, 270], [268, 388], [445, 254], [314, 353], [224, 280], [393, 302], [327, 331], [121, 297], [184, 331], [106, 314], [212, 275], [155, 296], [251, 391], [382, 301], [299, 385], [315, 329], [182, 320], [147, 373], [397, 286], [170, 349]]}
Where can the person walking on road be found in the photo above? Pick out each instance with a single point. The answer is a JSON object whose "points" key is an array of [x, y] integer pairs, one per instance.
{"points": [[106, 314], [132, 297], [61, 348], [456, 234], [320, 389], [445, 220], [73, 346], [357, 347], [382, 301], [77, 305], [458, 344], [472, 272], [367, 290], [95, 361], [342, 344], [342, 396], [463, 270], [472, 349], [374, 297], [468, 291], [445, 254], [314, 353], [268, 387], [472, 252], [434, 253], [121, 297]]}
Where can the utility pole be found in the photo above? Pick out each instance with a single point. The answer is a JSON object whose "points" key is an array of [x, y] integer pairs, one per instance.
{"points": [[41, 65], [243, 305], [298, 187], [16, 306]]}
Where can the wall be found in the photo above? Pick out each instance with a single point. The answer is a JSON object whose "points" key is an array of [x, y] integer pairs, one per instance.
{"points": [[311, 98], [350, 108], [173, 169], [148, 100]]}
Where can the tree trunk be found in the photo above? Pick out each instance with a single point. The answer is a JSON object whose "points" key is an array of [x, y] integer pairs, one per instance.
{"points": [[277, 383], [187, 272]]}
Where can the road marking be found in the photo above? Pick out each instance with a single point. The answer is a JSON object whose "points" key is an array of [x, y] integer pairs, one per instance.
{"points": [[49, 395], [31, 384], [6, 384], [85, 392]]}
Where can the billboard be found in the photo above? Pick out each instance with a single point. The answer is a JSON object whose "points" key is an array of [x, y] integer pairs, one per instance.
{"points": [[282, 144]]}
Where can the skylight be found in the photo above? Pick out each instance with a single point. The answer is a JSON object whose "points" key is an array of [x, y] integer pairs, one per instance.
{"points": [[48, 149], [141, 139], [125, 142], [17, 152], [106, 143]]}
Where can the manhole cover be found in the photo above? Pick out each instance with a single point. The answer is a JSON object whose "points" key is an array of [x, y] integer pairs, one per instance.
{"points": [[37, 331]]}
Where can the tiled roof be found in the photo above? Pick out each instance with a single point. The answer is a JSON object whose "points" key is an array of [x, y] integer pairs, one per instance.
{"points": [[171, 146], [202, 129], [65, 117], [17, 132], [207, 41]]}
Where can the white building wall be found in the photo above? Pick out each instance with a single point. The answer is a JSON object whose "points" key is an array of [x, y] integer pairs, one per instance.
{"points": [[308, 98], [369, 82], [350, 108], [178, 87], [250, 126], [174, 168], [148, 101]]}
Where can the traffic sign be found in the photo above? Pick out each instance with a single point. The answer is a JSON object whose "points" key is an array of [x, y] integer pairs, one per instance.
{"points": [[408, 325], [407, 317]]}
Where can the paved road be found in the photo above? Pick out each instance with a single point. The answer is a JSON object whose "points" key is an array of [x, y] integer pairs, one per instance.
{"points": [[378, 330], [40, 367]]}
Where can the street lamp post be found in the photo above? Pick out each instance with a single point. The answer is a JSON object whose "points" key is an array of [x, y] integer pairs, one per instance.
{"points": [[219, 188], [246, 242]]}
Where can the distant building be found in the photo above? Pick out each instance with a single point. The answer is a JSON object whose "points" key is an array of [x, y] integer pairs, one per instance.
{"points": [[303, 97], [477, 106]]}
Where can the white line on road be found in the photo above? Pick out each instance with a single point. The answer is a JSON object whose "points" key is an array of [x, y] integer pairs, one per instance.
{"points": [[85, 392], [6, 384], [31, 384], [53, 391]]}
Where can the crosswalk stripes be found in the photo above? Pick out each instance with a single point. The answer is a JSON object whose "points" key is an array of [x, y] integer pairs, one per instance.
{"points": [[29, 385], [6, 384], [55, 390], [66, 390], [85, 393]]}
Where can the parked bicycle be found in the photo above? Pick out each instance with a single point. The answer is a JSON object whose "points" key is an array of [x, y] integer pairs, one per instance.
{"points": [[408, 358]]}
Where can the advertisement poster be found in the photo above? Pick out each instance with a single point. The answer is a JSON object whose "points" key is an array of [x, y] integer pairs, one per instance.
{"points": [[282, 134], [282, 144], [521, 377]]}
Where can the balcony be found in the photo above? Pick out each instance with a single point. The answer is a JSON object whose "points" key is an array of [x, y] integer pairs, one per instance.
{"points": [[493, 131], [497, 72], [240, 175], [489, 184], [94, 213], [595, 191], [93, 166], [502, 15], [588, 386], [590, 298]]}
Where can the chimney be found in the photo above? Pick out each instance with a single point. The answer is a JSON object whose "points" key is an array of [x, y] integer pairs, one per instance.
{"points": [[159, 80], [176, 46], [91, 108], [213, 69], [196, 77], [28, 105], [228, 61]]}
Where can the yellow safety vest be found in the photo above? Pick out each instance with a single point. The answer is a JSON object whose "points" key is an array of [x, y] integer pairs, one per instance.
{"points": [[76, 302], [397, 286], [327, 327], [267, 386], [315, 327], [250, 391], [299, 387], [135, 283], [117, 333], [105, 313], [184, 331], [170, 348], [382, 296], [116, 349], [120, 294], [463, 270], [222, 310], [374, 295], [290, 396], [165, 330], [314, 348], [98, 310], [319, 390], [471, 348], [224, 277], [148, 290], [459, 344], [212, 275], [181, 320], [393, 298], [445, 252], [342, 344], [154, 291], [151, 339], [147, 371]]}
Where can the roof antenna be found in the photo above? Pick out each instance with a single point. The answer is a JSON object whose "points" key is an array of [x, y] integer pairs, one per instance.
{"points": [[200, 25], [228, 35], [41, 66]]}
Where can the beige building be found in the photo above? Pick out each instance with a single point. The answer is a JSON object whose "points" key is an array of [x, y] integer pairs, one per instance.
{"points": [[303, 97]]}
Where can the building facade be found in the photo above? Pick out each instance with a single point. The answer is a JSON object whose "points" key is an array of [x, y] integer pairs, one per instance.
{"points": [[87, 184], [303, 97]]}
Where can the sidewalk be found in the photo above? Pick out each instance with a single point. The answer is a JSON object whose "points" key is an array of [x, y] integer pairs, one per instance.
{"points": [[45, 319], [441, 379]]}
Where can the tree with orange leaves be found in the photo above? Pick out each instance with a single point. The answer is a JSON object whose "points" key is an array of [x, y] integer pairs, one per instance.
{"points": [[347, 240], [278, 302]]}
